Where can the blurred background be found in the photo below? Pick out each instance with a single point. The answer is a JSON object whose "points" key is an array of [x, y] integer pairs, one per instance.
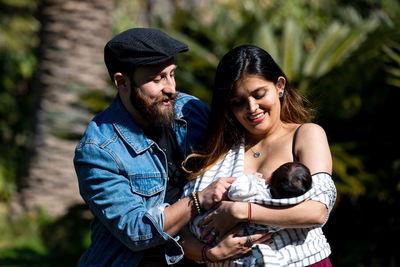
{"points": [[344, 56]]}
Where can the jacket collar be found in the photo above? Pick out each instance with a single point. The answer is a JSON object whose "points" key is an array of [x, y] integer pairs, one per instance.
{"points": [[128, 129]]}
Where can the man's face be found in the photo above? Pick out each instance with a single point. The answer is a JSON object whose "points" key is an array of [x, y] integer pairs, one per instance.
{"points": [[153, 93]]}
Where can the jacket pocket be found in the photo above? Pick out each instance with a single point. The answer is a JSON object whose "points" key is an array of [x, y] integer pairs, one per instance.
{"points": [[147, 184]]}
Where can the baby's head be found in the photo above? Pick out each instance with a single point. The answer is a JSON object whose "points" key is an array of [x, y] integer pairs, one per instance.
{"points": [[291, 179]]}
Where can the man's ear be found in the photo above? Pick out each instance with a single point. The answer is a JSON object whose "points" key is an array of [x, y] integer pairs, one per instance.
{"points": [[121, 81]]}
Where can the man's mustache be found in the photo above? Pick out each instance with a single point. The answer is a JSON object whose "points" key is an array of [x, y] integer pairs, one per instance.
{"points": [[165, 97]]}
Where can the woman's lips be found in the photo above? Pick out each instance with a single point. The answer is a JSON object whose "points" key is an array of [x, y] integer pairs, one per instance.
{"points": [[257, 118]]}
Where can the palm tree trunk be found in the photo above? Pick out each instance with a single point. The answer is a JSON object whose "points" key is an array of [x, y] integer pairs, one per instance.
{"points": [[73, 35]]}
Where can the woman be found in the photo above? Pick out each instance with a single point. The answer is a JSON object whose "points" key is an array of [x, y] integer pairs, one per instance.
{"points": [[257, 123]]}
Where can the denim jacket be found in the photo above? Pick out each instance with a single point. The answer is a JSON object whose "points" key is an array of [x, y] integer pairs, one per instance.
{"points": [[122, 177]]}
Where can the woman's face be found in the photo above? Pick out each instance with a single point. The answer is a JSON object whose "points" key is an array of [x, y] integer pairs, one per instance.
{"points": [[255, 103]]}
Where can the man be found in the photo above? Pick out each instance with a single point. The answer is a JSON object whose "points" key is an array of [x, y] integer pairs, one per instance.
{"points": [[128, 161]]}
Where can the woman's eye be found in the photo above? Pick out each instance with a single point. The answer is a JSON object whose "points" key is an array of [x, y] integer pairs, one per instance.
{"points": [[259, 93], [237, 103]]}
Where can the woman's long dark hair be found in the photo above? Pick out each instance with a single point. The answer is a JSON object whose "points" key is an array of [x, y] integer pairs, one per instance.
{"points": [[224, 131]]}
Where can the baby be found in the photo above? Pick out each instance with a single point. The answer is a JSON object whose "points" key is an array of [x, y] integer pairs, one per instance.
{"points": [[290, 180]]}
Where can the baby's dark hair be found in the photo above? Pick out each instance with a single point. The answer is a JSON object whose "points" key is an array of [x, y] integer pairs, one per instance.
{"points": [[291, 179]]}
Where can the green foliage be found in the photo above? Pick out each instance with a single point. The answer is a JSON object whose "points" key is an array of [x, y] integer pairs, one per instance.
{"points": [[36, 239], [392, 50], [352, 179], [123, 16], [18, 39], [21, 238], [336, 43], [96, 101], [89, 102], [68, 237], [344, 56]]}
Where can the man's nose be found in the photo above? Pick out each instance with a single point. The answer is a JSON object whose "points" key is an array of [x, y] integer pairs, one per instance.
{"points": [[169, 85]]}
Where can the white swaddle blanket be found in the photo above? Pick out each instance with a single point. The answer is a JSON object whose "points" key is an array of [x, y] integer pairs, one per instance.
{"points": [[248, 186]]}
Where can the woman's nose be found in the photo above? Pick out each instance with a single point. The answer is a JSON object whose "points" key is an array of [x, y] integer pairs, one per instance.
{"points": [[253, 106]]}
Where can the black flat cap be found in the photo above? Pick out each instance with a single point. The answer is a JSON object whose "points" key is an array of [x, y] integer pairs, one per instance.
{"points": [[140, 47]]}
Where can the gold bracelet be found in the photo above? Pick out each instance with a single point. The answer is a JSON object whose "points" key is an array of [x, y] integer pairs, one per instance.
{"points": [[196, 202], [249, 212]]}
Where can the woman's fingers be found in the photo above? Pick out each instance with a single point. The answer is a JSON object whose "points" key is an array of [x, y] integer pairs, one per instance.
{"points": [[265, 239], [258, 238], [233, 245]]}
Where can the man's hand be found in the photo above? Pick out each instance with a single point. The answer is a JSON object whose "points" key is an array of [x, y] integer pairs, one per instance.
{"points": [[215, 192]]}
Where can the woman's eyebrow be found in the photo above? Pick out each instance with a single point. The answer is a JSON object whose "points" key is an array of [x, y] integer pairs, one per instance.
{"points": [[241, 95], [259, 88]]}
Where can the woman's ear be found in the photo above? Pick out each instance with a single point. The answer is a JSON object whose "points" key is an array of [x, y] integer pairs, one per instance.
{"points": [[280, 84], [121, 82]]}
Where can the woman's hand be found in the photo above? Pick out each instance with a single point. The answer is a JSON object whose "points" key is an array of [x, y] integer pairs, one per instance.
{"points": [[223, 218], [215, 192], [232, 246]]}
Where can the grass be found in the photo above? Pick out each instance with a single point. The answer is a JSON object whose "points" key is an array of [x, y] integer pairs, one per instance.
{"points": [[35, 239]]}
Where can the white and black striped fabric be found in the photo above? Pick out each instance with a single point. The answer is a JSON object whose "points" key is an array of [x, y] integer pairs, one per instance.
{"points": [[290, 247]]}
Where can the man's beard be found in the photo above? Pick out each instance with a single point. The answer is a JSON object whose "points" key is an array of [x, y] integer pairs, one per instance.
{"points": [[152, 110]]}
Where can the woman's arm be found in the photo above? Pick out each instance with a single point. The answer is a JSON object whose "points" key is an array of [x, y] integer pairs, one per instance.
{"points": [[229, 213], [305, 214]]}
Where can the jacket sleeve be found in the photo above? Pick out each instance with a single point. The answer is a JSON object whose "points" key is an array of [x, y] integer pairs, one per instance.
{"points": [[108, 194]]}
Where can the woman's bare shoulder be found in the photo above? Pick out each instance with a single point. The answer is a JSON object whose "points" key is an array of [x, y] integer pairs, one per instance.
{"points": [[312, 148], [311, 130]]}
